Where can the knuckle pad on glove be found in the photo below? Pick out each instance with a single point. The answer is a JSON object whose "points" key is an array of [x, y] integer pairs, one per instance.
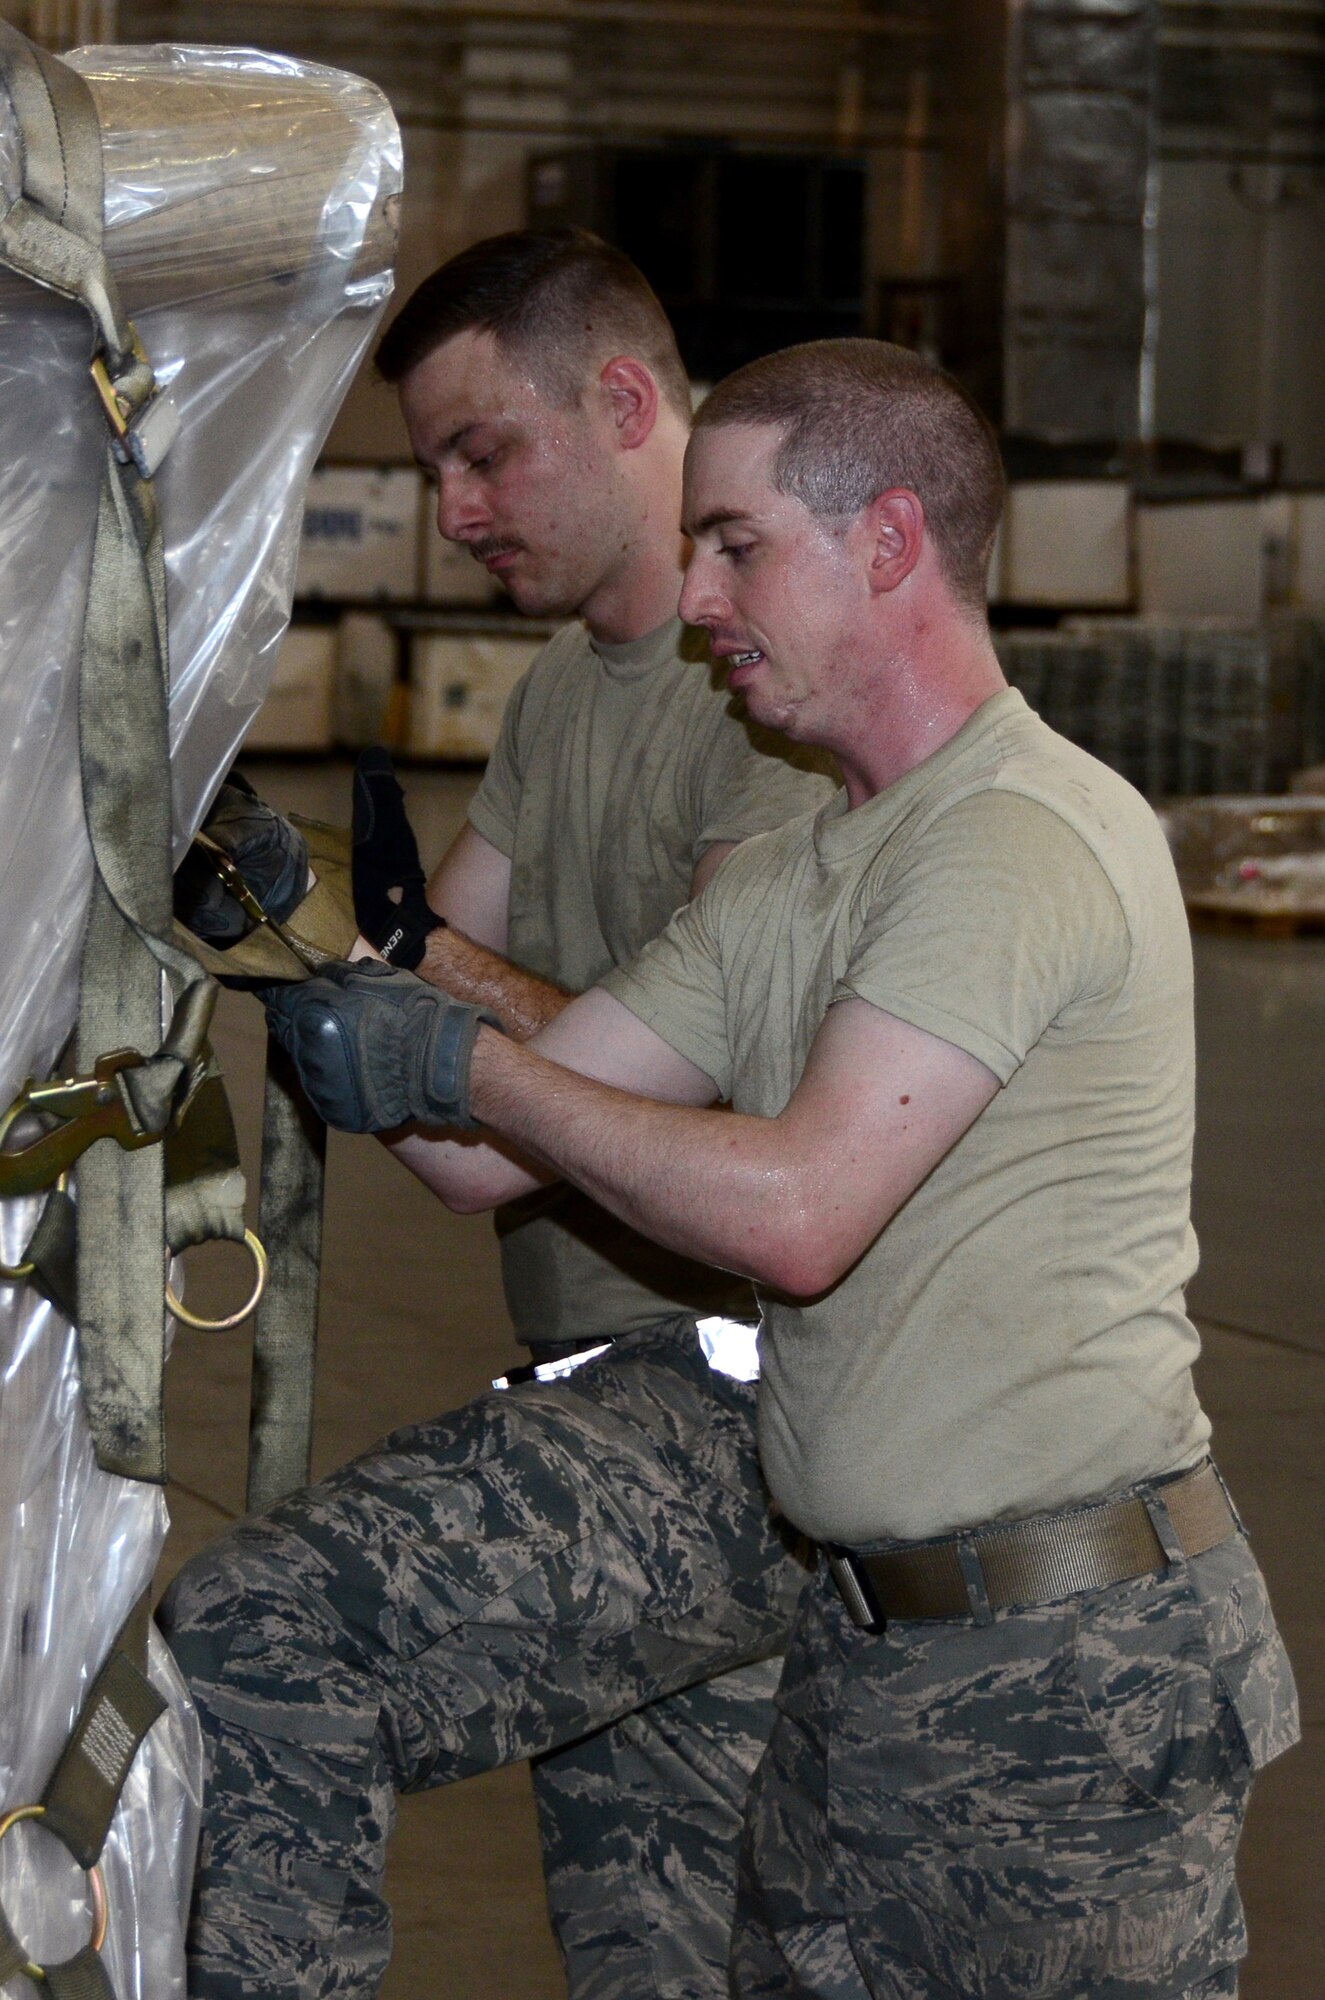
{"points": [[327, 1062]]}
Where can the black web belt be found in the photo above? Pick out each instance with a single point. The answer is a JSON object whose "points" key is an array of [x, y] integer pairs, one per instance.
{"points": [[1036, 1561]]}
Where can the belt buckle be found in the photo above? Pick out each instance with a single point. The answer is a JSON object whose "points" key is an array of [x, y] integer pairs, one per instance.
{"points": [[855, 1590]]}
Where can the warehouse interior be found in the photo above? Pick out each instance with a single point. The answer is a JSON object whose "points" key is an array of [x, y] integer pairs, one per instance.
{"points": [[1107, 219], [464, 1879]]}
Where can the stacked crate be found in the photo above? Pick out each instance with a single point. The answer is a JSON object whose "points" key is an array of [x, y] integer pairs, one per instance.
{"points": [[1181, 710]]}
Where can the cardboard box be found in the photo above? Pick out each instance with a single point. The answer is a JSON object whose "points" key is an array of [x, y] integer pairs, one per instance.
{"points": [[361, 534], [298, 711], [367, 650], [1201, 559], [1308, 585], [1067, 542], [459, 686], [1279, 539]]}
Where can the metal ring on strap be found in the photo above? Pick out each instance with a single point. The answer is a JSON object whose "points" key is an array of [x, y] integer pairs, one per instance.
{"points": [[253, 1245], [17, 1272], [31, 1969]]}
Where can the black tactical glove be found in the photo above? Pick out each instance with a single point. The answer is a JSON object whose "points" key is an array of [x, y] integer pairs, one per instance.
{"points": [[268, 852], [386, 858], [376, 1048]]}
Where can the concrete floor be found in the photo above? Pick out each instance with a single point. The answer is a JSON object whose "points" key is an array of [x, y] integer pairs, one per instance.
{"points": [[413, 1322]]}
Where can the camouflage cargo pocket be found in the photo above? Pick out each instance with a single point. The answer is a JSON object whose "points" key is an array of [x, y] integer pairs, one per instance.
{"points": [[1252, 1668], [1145, 1674], [1258, 1686]]}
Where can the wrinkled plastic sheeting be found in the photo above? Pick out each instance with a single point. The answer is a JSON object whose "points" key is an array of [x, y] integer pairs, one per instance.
{"points": [[1081, 150], [1182, 710], [251, 217]]}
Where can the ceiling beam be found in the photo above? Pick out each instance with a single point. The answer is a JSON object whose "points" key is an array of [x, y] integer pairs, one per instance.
{"points": [[726, 16]]}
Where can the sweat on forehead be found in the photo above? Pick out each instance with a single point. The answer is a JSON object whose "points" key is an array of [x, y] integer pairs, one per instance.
{"points": [[728, 474]]}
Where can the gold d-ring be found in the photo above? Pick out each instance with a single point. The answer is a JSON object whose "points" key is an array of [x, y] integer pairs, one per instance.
{"points": [[31, 1969], [253, 1245], [17, 1272]]}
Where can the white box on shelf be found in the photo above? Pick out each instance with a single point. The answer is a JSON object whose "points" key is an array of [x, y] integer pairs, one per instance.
{"points": [[366, 654], [297, 712], [459, 685], [1067, 542], [1308, 592], [1201, 559], [450, 573], [361, 533], [1279, 530]]}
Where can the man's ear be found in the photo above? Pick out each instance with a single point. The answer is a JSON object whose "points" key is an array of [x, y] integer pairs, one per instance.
{"points": [[895, 530], [632, 396]]}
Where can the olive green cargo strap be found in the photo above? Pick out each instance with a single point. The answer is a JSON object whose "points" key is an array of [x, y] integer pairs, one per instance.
{"points": [[53, 234], [79, 1802], [294, 1143], [133, 1196], [124, 754], [145, 1118], [294, 1149], [120, 1708]]}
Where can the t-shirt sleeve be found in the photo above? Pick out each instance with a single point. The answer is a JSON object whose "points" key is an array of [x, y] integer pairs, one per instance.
{"points": [[675, 986], [1001, 926], [495, 805], [753, 781]]}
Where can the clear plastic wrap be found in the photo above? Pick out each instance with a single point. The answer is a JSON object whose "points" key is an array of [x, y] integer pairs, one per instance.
{"points": [[1261, 858], [1181, 709], [251, 214]]}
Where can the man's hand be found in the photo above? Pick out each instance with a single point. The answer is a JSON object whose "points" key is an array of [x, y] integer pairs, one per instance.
{"points": [[390, 905], [375, 1048], [269, 853]]}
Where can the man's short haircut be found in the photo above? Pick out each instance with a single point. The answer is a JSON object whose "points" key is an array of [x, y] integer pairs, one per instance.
{"points": [[560, 301], [860, 416]]}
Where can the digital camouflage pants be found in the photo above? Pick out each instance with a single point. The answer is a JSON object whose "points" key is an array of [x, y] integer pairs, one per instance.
{"points": [[553, 1569], [1043, 1805]]}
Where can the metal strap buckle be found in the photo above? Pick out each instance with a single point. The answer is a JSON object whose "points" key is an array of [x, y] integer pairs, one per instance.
{"points": [[144, 432], [232, 877], [92, 1107]]}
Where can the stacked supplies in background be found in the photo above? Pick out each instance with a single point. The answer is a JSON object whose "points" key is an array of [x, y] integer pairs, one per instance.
{"points": [[1180, 709]]}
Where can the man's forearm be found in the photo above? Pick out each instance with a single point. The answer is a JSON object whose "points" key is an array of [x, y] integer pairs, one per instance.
{"points": [[706, 1182], [522, 1002]]}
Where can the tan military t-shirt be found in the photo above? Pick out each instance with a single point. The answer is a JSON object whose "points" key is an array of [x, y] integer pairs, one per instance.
{"points": [[1015, 1339], [616, 768]]}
